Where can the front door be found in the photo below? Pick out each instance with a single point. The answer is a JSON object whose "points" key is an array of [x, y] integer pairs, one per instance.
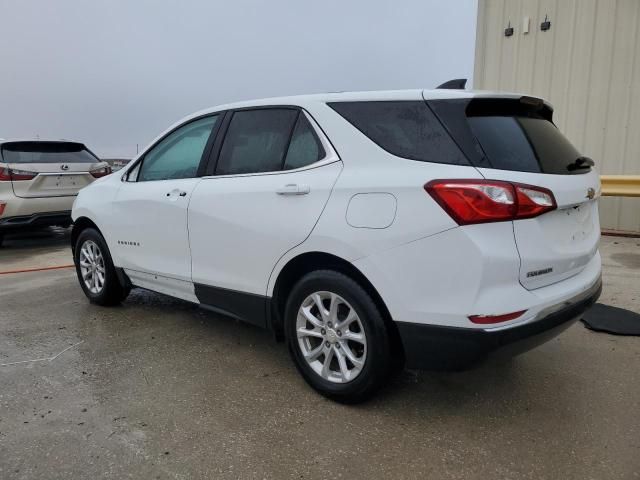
{"points": [[150, 211]]}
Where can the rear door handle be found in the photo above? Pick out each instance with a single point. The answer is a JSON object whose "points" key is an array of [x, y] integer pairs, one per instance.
{"points": [[293, 189]]}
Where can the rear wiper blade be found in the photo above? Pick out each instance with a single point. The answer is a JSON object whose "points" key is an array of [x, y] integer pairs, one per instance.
{"points": [[580, 162]]}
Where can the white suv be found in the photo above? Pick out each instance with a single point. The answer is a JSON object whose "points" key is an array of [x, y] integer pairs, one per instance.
{"points": [[371, 230], [39, 181]]}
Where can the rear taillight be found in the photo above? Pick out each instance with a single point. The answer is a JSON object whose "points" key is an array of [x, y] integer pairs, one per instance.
{"points": [[533, 201], [101, 172], [2, 207], [10, 174], [482, 201]]}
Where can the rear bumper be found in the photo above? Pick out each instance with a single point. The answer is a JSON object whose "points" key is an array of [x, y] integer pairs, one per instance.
{"points": [[452, 348], [22, 222]]}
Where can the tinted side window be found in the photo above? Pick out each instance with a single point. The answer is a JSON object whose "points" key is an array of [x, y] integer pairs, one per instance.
{"points": [[256, 141], [403, 128], [178, 155], [305, 147]]}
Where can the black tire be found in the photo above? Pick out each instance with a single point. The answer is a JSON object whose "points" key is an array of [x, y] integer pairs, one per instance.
{"points": [[112, 292], [377, 365], [1, 239]]}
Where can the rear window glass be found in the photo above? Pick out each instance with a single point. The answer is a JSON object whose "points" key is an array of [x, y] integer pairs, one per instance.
{"points": [[407, 129], [523, 144], [44, 152], [509, 135]]}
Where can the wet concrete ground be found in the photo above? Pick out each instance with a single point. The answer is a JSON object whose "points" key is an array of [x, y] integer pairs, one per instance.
{"points": [[161, 389]]}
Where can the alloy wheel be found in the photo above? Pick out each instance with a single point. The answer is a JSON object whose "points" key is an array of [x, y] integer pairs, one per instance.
{"points": [[331, 337], [92, 267]]}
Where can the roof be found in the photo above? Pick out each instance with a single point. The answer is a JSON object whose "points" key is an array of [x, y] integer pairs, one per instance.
{"points": [[375, 95]]}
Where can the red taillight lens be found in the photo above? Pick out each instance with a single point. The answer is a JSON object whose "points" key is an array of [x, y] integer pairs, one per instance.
{"points": [[4, 175], [2, 207], [533, 201], [489, 319], [18, 175], [482, 201], [101, 172]]}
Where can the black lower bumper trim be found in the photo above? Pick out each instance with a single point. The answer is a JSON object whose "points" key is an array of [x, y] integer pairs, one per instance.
{"points": [[433, 347], [22, 222]]}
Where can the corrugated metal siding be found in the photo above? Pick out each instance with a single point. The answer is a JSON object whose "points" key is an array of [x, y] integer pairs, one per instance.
{"points": [[587, 65]]}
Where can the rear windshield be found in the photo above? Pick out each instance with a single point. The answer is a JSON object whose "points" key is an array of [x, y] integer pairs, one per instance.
{"points": [[510, 135], [407, 129], [46, 152]]}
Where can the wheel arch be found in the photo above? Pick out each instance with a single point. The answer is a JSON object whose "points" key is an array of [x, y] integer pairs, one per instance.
{"points": [[307, 262], [80, 224]]}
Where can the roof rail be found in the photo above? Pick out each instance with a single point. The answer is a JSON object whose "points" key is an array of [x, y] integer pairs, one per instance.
{"points": [[455, 84]]}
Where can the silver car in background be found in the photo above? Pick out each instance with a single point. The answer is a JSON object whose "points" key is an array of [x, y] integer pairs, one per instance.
{"points": [[40, 179]]}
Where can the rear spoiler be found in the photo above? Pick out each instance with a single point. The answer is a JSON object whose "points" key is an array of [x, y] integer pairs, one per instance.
{"points": [[455, 84]]}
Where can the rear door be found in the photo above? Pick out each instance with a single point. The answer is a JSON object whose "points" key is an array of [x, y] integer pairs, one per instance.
{"points": [[273, 176], [51, 169], [515, 140]]}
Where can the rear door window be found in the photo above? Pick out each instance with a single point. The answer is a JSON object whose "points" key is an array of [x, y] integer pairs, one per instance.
{"points": [[407, 129], [256, 141], [305, 147], [47, 152]]}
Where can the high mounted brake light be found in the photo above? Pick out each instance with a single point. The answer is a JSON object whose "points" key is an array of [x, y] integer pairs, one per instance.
{"points": [[482, 201]]}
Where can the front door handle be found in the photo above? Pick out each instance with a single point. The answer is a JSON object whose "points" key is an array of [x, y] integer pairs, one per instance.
{"points": [[175, 192], [293, 189]]}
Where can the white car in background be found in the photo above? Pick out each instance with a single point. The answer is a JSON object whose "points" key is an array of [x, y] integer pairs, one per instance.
{"points": [[371, 230], [39, 181]]}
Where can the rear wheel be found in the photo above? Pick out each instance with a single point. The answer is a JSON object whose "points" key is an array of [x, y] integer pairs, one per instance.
{"points": [[95, 270], [1, 239], [337, 336]]}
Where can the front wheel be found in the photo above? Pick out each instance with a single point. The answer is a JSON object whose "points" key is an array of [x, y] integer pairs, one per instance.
{"points": [[337, 336], [95, 270]]}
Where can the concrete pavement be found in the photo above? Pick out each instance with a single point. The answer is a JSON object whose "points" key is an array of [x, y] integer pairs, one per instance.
{"points": [[161, 389]]}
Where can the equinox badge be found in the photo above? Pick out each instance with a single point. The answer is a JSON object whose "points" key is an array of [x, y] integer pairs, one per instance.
{"points": [[535, 273]]}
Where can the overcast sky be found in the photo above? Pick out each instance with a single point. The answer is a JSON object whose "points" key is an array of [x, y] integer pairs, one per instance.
{"points": [[113, 73]]}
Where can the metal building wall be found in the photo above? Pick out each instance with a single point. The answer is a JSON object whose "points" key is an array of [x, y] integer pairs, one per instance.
{"points": [[587, 65]]}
